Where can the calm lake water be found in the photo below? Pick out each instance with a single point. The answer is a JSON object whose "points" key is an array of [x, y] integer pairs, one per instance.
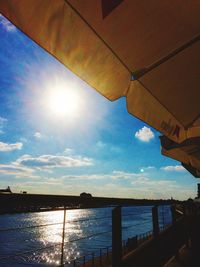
{"points": [[39, 235]]}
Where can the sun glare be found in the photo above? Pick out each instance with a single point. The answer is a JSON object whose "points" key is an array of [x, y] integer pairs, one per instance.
{"points": [[63, 100]]}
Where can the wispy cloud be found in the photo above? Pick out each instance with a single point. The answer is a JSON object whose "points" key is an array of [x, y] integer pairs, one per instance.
{"points": [[68, 151], [176, 168], [7, 25], [57, 186], [51, 161], [16, 170], [137, 185], [28, 166], [2, 123], [2, 120], [100, 144], [114, 175], [23, 140], [6, 147], [162, 188], [108, 147], [125, 175], [144, 134], [37, 135], [148, 168]]}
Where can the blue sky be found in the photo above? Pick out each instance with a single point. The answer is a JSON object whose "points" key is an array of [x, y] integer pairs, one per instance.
{"points": [[90, 144]]}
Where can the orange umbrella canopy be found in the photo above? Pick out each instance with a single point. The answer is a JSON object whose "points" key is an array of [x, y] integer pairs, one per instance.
{"points": [[187, 152], [147, 51]]}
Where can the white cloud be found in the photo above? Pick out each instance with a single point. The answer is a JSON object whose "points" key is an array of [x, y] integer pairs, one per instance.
{"points": [[68, 151], [50, 161], [26, 165], [7, 25], [5, 147], [144, 134], [176, 168], [37, 135]]}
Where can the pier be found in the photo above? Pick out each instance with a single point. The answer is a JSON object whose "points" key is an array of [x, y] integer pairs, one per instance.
{"points": [[12, 202]]}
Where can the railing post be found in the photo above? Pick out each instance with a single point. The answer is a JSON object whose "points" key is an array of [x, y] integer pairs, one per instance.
{"points": [[92, 259], [63, 239], [116, 237], [107, 251], [155, 221], [173, 214], [100, 256]]}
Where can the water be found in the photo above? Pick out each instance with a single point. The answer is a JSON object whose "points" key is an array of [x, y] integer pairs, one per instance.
{"points": [[86, 231]]}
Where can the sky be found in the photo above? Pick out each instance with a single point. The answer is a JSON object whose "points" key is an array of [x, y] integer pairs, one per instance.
{"points": [[59, 136]]}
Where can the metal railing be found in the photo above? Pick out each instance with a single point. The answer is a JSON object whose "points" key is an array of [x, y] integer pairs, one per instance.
{"points": [[99, 255]]}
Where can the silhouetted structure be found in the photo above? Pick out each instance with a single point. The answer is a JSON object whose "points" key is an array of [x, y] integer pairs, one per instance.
{"points": [[7, 190], [13, 202], [85, 195]]}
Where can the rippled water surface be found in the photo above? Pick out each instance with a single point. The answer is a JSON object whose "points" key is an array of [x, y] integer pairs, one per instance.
{"points": [[34, 239]]}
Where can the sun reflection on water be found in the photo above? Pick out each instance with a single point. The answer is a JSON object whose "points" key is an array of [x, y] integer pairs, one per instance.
{"points": [[50, 236], [37, 237]]}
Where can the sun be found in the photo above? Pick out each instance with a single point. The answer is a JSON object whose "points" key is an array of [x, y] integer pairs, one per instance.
{"points": [[63, 100]]}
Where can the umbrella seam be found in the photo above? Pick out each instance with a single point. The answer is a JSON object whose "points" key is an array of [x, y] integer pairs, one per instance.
{"points": [[60, 61], [105, 43], [142, 72], [193, 121], [160, 102]]}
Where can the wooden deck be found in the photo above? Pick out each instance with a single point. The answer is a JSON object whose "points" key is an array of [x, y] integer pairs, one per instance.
{"points": [[184, 259]]}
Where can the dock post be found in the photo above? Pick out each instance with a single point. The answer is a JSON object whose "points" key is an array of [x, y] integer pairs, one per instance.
{"points": [[63, 239], [155, 221], [116, 237], [173, 212], [93, 259], [107, 253], [100, 256]]}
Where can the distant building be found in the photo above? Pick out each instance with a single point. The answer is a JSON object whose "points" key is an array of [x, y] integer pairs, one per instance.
{"points": [[7, 190], [85, 195], [23, 192]]}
